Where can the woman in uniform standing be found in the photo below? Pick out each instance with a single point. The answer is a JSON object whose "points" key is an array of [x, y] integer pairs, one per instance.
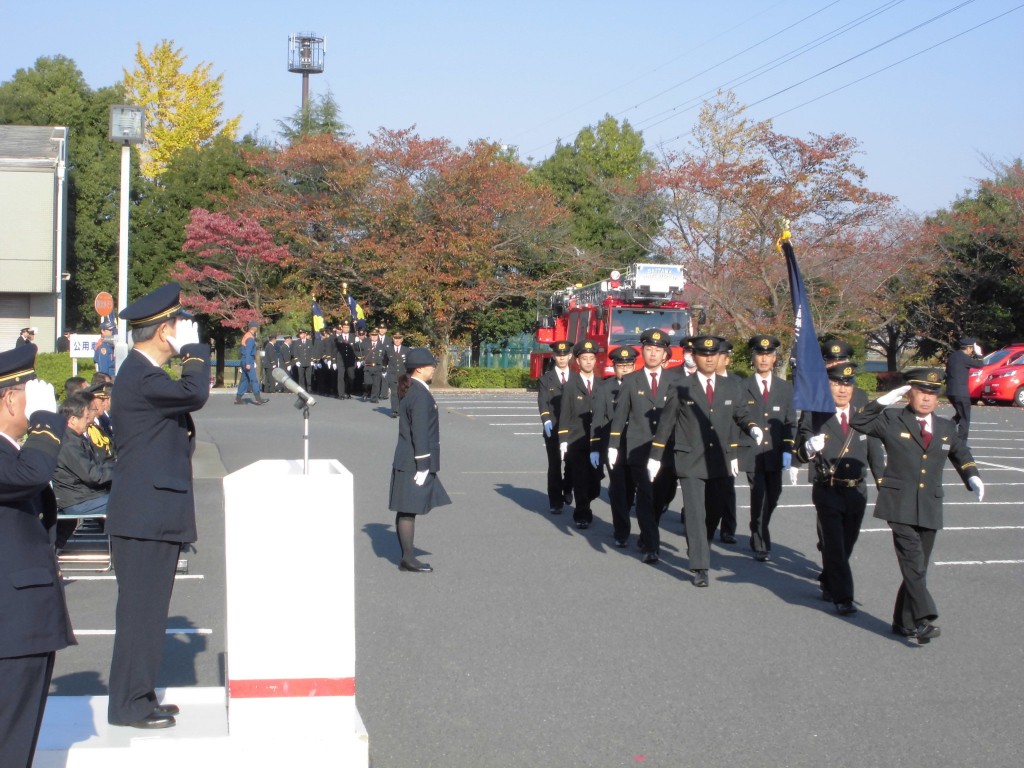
{"points": [[415, 486]]}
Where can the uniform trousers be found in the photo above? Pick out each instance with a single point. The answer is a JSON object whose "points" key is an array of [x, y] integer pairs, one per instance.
{"points": [[765, 491], [651, 501], [374, 380], [248, 380], [962, 415], [302, 373], [349, 380], [704, 501], [840, 514], [586, 481], [728, 522], [621, 494], [26, 683], [393, 386], [914, 602], [145, 577], [559, 481]]}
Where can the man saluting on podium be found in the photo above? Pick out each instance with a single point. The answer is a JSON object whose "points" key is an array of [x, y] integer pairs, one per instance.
{"points": [[151, 511]]}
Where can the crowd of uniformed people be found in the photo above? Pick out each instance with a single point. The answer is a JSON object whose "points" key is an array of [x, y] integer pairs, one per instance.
{"points": [[694, 429]]}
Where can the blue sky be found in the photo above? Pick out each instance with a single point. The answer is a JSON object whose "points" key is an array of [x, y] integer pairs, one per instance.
{"points": [[529, 73]]}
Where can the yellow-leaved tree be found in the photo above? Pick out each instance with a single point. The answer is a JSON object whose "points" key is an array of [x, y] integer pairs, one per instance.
{"points": [[183, 109]]}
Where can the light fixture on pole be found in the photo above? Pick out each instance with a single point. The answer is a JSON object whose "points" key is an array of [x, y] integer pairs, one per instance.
{"points": [[127, 127]]}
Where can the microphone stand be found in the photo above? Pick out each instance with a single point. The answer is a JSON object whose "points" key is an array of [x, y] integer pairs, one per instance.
{"points": [[300, 403]]}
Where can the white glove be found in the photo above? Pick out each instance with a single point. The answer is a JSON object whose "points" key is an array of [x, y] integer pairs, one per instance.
{"points": [[758, 434], [734, 467], [816, 443], [978, 487], [794, 475], [653, 467], [891, 397], [185, 332], [39, 397], [547, 429], [359, 363], [977, 350], [563, 448], [595, 459], [613, 456], [421, 477]]}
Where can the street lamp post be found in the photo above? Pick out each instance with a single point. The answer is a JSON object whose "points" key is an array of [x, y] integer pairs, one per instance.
{"points": [[127, 127]]}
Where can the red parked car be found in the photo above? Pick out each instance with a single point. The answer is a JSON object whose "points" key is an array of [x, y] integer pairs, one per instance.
{"points": [[1006, 383], [993, 360]]}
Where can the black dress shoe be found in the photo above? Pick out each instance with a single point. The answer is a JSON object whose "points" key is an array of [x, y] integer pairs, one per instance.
{"points": [[762, 557], [583, 525], [414, 566], [153, 720], [567, 495], [846, 608], [556, 510], [650, 558], [903, 631], [700, 578], [166, 709], [262, 401], [621, 543], [394, 414], [726, 538], [925, 632]]}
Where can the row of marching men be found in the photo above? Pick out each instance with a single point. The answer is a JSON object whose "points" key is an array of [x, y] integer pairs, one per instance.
{"points": [[695, 428]]}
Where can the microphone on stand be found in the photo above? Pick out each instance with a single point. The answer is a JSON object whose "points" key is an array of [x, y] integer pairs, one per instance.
{"points": [[282, 377]]}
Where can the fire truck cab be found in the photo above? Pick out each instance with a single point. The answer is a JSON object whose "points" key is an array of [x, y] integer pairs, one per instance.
{"points": [[614, 312]]}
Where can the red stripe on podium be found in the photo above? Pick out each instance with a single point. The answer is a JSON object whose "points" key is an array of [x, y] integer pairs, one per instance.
{"points": [[292, 688]]}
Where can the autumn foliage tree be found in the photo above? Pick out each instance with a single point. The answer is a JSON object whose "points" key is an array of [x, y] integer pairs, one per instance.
{"points": [[182, 108]]}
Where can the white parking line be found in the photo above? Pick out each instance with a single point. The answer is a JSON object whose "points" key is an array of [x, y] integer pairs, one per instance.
{"points": [[958, 528], [111, 577], [169, 631], [998, 466], [980, 562]]}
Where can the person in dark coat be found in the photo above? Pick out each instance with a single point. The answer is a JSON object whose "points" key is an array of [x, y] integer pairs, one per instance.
{"points": [[394, 364], [702, 420], [637, 416], [415, 487], [26, 337], [34, 620], [549, 405], [770, 406], [151, 509], [839, 460], [958, 368], [917, 445], [621, 487], [345, 342], [575, 428], [248, 375]]}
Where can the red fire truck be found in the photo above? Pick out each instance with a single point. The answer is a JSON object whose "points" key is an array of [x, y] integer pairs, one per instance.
{"points": [[614, 312]]}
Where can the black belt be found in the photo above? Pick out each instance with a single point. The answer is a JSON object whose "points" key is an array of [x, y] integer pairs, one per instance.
{"points": [[839, 482]]}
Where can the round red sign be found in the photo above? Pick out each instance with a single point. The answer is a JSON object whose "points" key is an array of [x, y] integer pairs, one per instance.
{"points": [[104, 303]]}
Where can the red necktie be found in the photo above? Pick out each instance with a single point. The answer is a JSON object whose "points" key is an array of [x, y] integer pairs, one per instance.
{"points": [[710, 392], [562, 377], [926, 436], [654, 385], [764, 394], [844, 423], [589, 392]]}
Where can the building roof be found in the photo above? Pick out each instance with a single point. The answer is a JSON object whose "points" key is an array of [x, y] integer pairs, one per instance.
{"points": [[30, 145]]}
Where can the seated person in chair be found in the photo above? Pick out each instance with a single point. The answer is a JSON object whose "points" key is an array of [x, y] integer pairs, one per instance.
{"points": [[82, 478]]}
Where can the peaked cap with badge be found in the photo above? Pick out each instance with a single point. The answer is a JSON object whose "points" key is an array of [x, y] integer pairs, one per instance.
{"points": [[844, 373], [584, 347], [764, 344], [155, 307], [17, 365], [836, 349], [707, 345], [655, 337], [926, 379], [624, 355], [561, 348]]}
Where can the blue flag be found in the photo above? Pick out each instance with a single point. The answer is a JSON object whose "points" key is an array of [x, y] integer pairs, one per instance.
{"points": [[318, 317], [811, 390]]}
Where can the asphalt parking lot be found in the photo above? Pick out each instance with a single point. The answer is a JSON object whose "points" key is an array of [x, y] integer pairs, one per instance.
{"points": [[535, 644]]}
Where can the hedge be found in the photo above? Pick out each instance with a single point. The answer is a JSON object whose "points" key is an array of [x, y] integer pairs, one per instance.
{"points": [[490, 378]]}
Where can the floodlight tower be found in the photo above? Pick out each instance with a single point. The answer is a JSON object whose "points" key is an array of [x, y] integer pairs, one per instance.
{"points": [[306, 56]]}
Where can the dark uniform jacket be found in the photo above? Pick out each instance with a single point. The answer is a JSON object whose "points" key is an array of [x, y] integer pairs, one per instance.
{"points": [[605, 397], [151, 495], [776, 418], [303, 352], [549, 398], [82, 472], [270, 350], [705, 436], [638, 414], [395, 361], [958, 368], [862, 453], [373, 355], [345, 344], [418, 449], [911, 489], [576, 413], [33, 612]]}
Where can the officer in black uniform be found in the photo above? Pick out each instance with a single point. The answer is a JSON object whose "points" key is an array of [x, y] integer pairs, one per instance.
{"points": [[270, 362], [637, 415], [394, 364], [917, 445], [346, 355], [575, 430], [373, 365], [958, 368], [839, 459], [621, 488], [549, 404], [770, 406], [302, 354]]}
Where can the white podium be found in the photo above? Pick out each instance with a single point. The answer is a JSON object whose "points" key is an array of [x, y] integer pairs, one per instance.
{"points": [[291, 662]]}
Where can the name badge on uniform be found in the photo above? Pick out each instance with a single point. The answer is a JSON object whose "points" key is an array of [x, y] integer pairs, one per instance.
{"points": [[863, 437], [905, 434], [689, 402], [579, 397], [776, 408], [945, 446], [728, 402]]}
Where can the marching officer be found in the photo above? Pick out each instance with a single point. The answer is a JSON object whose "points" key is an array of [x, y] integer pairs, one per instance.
{"points": [[373, 365], [345, 353], [302, 355], [839, 459], [770, 406], [637, 416], [703, 416], [549, 404], [621, 488], [917, 444], [270, 362], [394, 363], [958, 368], [575, 429]]}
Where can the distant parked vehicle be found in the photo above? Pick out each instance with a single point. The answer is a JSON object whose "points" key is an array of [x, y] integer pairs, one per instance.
{"points": [[1005, 384], [979, 376]]}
